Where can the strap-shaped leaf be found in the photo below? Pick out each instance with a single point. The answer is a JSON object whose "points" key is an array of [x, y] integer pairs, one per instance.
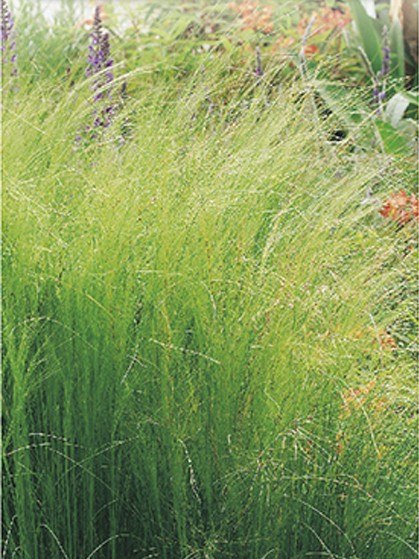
{"points": [[369, 35], [397, 49], [396, 108], [413, 97]]}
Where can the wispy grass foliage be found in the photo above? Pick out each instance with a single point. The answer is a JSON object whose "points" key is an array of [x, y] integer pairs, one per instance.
{"points": [[194, 360]]}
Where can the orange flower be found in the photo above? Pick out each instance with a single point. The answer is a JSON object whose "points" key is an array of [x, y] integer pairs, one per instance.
{"points": [[386, 341], [414, 202], [394, 204], [327, 19], [309, 50], [334, 18], [283, 43], [355, 397], [382, 337], [254, 18], [400, 207], [340, 442]]}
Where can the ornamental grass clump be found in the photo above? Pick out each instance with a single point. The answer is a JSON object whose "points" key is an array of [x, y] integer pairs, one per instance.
{"points": [[182, 319], [8, 41]]}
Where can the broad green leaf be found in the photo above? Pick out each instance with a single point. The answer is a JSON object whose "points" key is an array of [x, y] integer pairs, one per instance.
{"points": [[393, 142], [413, 97], [397, 49], [369, 35], [408, 127], [369, 6], [396, 108]]}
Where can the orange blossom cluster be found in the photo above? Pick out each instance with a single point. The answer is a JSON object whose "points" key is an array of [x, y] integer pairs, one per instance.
{"points": [[400, 207], [253, 16]]}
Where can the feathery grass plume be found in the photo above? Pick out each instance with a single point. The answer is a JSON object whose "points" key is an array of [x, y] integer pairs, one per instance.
{"points": [[8, 40], [185, 316]]}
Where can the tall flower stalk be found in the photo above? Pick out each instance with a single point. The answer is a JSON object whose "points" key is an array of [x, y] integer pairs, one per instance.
{"points": [[99, 68], [8, 40], [379, 90], [258, 67]]}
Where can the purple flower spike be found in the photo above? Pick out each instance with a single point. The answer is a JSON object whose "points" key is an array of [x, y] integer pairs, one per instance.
{"points": [[258, 69], [8, 41], [379, 90], [385, 67], [7, 24], [99, 68]]}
